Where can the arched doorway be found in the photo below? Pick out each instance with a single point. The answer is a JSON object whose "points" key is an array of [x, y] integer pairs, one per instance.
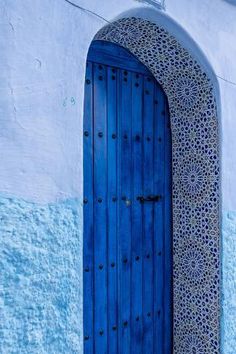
{"points": [[192, 92], [127, 206]]}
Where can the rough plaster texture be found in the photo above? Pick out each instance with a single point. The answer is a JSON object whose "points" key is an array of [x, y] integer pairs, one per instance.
{"points": [[229, 285], [43, 48], [40, 277]]}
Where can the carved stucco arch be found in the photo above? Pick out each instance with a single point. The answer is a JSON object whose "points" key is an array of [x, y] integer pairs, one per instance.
{"points": [[196, 178]]}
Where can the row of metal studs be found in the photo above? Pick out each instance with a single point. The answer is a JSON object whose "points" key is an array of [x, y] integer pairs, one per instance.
{"points": [[125, 261], [114, 136], [114, 199], [125, 79], [125, 324]]}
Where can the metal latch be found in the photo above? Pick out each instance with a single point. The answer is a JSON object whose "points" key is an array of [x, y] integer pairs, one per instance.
{"points": [[149, 198]]}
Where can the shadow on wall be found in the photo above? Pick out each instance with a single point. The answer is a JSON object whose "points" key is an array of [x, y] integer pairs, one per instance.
{"points": [[157, 3], [232, 2]]}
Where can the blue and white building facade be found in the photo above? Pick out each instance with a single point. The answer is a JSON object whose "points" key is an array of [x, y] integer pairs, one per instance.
{"points": [[189, 46]]}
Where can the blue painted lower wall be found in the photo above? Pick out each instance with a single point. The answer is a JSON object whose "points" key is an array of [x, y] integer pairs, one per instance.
{"points": [[41, 280], [228, 323], [40, 277]]}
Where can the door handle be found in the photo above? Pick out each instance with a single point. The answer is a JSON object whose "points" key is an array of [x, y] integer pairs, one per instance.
{"points": [[149, 198]]}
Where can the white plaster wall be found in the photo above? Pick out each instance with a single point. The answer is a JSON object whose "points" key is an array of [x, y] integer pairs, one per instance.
{"points": [[43, 46], [43, 54]]}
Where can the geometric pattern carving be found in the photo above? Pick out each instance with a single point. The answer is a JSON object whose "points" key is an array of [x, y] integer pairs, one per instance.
{"points": [[196, 180]]}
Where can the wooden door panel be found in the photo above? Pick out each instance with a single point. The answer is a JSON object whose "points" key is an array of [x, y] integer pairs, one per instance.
{"points": [[127, 243]]}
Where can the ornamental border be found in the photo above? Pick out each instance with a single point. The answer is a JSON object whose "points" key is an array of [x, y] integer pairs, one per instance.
{"points": [[196, 179]]}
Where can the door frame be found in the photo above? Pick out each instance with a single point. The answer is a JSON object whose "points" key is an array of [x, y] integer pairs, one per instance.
{"points": [[177, 63]]}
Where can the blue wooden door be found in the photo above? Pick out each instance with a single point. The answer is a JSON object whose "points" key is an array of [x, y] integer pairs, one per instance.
{"points": [[127, 207]]}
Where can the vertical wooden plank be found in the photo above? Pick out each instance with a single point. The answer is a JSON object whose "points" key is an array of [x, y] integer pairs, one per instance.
{"points": [[137, 167], [168, 234], [119, 203], [100, 209], [112, 208], [159, 250], [125, 210], [148, 216], [88, 211]]}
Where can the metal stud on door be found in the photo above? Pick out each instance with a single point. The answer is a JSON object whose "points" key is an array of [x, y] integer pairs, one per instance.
{"points": [[127, 207]]}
